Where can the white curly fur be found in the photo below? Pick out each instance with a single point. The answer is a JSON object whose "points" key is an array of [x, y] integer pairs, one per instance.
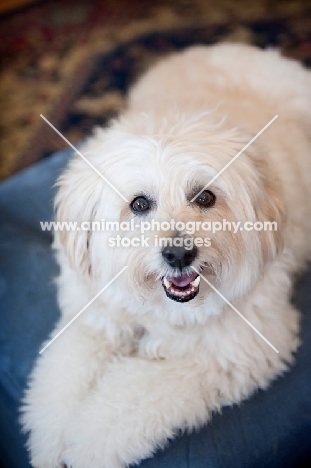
{"points": [[136, 367]]}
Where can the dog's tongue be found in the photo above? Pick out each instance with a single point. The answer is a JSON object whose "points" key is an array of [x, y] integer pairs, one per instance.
{"points": [[182, 280]]}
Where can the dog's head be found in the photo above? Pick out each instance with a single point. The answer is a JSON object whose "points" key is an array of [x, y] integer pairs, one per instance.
{"points": [[165, 232]]}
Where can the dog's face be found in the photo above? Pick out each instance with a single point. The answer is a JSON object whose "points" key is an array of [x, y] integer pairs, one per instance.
{"points": [[159, 171]]}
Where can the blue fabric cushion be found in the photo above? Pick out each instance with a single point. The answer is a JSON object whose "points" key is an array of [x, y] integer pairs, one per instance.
{"points": [[272, 429]]}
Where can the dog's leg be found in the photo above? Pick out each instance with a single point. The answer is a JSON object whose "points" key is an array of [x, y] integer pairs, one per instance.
{"points": [[62, 376], [136, 406]]}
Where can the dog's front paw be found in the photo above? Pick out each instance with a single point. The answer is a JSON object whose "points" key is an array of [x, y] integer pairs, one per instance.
{"points": [[132, 411], [47, 460], [109, 442]]}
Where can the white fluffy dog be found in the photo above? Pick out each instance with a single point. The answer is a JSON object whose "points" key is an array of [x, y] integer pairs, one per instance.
{"points": [[159, 350]]}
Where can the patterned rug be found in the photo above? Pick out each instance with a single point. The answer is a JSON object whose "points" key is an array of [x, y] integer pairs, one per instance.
{"points": [[73, 61]]}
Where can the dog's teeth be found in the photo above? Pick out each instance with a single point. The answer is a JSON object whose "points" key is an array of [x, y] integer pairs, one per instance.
{"points": [[196, 282], [167, 283]]}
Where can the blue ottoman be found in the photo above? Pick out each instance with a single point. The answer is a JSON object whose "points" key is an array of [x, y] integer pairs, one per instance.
{"points": [[271, 430]]}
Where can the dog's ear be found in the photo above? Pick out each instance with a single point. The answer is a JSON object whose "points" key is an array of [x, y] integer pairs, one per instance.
{"points": [[270, 208], [75, 203]]}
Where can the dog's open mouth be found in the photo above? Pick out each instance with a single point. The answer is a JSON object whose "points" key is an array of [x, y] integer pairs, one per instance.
{"points": [[181, 288]]}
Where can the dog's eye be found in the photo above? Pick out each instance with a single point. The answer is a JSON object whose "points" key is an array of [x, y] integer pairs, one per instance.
{"points": [[140, 204], [206, 199]]}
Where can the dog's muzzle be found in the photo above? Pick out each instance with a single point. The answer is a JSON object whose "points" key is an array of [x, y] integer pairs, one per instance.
{"points": [[184, 287]]}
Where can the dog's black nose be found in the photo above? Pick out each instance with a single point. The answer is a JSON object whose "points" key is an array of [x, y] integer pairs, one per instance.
{"points": [[179, 257]]}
